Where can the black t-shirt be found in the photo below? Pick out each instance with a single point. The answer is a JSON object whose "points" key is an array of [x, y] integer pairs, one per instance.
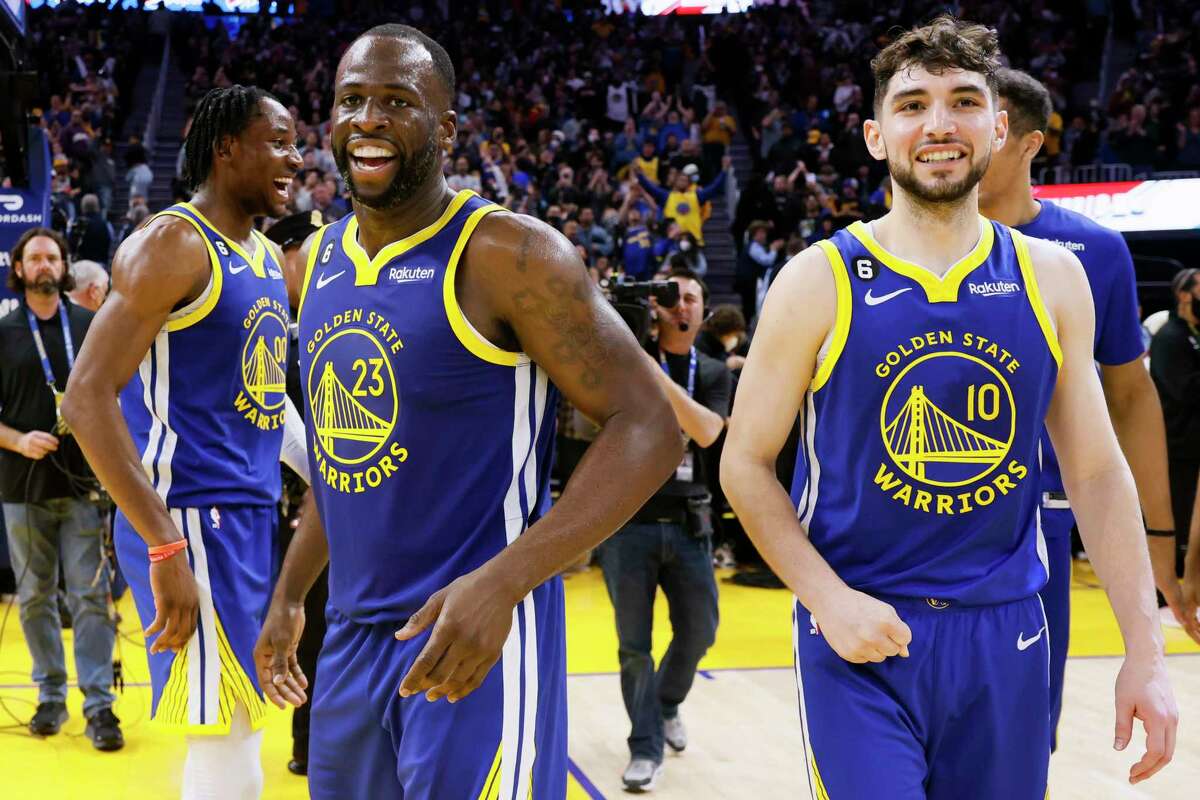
{"points": [[713, 389], [26, 404], [1175, 368]]}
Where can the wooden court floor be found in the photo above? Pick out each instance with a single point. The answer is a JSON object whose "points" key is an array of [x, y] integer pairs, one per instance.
{"points": [[741, 716]]}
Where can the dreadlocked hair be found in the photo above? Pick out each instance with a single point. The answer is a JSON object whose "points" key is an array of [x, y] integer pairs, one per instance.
{"points": [[220, 113]]}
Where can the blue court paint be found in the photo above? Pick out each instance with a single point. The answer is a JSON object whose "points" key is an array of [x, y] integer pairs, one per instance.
{"points": [[582, 779], [703, 673]]}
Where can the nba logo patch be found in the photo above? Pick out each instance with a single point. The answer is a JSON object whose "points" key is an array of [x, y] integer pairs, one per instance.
{"points": [[215, 516]]}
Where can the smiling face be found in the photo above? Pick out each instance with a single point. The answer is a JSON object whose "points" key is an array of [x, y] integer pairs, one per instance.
{"points": [[391, 120], [937, 132], [262, 160]]}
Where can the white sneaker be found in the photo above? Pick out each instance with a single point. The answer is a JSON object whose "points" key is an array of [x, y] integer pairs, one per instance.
{"points": [[675, 733], [641, 775]]}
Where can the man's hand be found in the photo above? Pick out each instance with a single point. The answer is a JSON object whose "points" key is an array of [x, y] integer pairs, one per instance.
{"points": [[176, 604], [860, 628], [37, 444], [471, 619], [279, 672], [1144, 691]]}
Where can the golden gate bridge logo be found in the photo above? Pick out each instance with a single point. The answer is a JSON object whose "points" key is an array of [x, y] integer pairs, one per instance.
{"points": [[263, 358], [355, 412], [932, 445]]}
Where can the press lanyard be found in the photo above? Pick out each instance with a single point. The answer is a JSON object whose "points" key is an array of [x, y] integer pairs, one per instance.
{"points": [[41, 347], [691, 383]]}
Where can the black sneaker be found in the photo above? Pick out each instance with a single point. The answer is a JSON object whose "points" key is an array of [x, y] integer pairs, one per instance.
{"points": [[48, 718], [298, 767], [104, 729]]}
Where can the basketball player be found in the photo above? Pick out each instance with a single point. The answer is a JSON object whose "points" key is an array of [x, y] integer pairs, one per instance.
{"points": [[193, 339], [927, 349], [434, 329], [1005, 195]]}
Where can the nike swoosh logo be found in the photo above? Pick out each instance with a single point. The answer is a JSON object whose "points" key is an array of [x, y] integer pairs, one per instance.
{"points": [[323, 281], [1023, 643], [235, 270], [873, 300]]}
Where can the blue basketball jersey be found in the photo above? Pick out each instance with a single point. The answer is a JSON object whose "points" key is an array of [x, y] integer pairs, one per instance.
{"points": [[430, 448], [206, 405], [917, 475], [1109, 267]]}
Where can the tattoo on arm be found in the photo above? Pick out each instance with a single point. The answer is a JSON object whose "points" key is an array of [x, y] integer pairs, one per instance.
{"points": [[564, 308]]}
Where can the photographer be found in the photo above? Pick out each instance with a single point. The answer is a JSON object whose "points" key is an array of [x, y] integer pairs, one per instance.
{"points": [[668, 543], [44, 485]]}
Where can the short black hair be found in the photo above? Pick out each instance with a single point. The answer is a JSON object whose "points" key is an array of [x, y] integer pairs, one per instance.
{"points": [[220, 113], [1027, 100], [441, 59], [688, 274]]}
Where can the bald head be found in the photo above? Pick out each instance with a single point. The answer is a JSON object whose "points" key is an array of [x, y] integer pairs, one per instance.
{"points": [[420, 53]]}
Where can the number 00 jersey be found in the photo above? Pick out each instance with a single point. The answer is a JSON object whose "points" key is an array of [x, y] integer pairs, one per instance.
{"points": [[429, 447], [206, 405], [917, 473]]}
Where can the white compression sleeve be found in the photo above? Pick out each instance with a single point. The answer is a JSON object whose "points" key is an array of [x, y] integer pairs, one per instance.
{"points": [[225, 767], [293, 452]]}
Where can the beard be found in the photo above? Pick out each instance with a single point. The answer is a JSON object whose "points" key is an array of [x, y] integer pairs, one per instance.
{"points": [[411, 173], [940, 191], [45, 284]]}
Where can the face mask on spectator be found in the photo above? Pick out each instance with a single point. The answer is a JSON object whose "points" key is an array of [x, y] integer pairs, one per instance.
{"points": [[685, 245]]}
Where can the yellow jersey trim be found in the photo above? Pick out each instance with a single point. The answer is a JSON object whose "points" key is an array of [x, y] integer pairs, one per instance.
{"points": [[233, 686], [1035, 295], [367, 269], [822, 792], [491, 784], [841, 323], [214, 293], [311, 262], [466, 333], [255, 261], [937, 290], [268, 247]]}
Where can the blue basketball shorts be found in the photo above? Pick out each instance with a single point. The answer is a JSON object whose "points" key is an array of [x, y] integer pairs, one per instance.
{"points": [[507, 740], [229, 551], [965, 715], [1056, 597]]}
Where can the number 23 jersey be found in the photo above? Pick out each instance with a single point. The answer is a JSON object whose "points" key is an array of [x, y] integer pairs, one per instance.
{"points": [[429, 447]]}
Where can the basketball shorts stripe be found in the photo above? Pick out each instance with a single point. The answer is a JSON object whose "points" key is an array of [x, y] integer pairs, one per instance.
{"points": [[507, 740], [229, 551], [965, 715]]}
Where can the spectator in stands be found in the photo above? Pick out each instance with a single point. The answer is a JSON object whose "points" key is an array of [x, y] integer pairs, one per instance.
{"points": [[1175, 367], [91, 234], [91, 285], [691, 255], [683, 203], [102, 177], [593, 236], [139, 175], [463, 178], [1188, 141], [724, 337], [717, 131]]}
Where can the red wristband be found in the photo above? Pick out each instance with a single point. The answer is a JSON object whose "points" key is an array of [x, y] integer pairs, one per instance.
{"points": [[162, 552]]}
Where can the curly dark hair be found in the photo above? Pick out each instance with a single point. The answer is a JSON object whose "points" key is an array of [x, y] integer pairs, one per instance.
{"points": [[15, 283], [945, 43]]}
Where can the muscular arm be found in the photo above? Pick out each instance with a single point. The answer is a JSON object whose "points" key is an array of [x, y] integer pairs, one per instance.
{"points": [[1138, 421], [1104, 498], [537, 287], [159, 268]]}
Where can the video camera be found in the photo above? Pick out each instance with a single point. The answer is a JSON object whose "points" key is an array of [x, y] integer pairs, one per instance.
{"points": [[632, 302]]}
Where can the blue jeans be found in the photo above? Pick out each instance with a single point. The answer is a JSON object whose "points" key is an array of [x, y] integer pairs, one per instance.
{"points": [[636, 561], [37, 534]]}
